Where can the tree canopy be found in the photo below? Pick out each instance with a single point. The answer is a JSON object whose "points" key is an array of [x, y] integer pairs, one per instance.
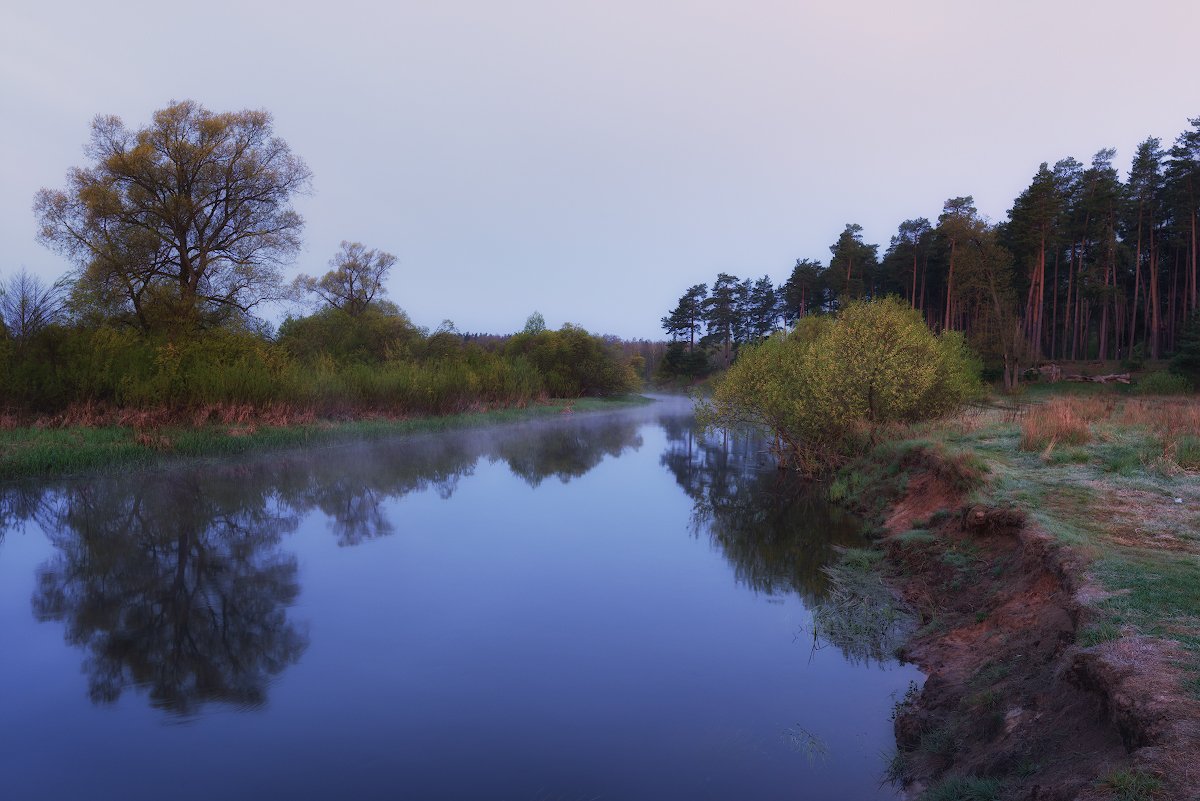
{"points": [[355, 279], [185, 221]]}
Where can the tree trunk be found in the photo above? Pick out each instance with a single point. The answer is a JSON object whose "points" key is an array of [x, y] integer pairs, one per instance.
{"points": [[1054, 316], [1155, 303], [1137, 282], [949, 287], [1102, 334], [913, 299]]}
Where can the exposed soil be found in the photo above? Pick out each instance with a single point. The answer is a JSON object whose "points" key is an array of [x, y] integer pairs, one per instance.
{"points": [[1010, 694]]}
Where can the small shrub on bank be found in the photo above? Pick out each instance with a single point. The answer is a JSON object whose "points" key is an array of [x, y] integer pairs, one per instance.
{"points": [[1163, 383], [836, 386]]}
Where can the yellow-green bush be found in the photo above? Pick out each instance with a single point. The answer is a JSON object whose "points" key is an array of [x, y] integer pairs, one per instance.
{"points": [[833, 383]]}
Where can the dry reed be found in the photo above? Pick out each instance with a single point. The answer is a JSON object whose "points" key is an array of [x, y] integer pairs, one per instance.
{"points": [[1062, 421]]}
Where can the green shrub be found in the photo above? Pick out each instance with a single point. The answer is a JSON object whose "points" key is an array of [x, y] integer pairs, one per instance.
{"points": [[380, 333], [573, 363], [1163, 383], [827, 388]]}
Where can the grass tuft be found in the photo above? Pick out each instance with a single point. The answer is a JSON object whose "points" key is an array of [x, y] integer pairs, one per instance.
{"points": [[960, 788], [1097, 633], [1133, 785]]}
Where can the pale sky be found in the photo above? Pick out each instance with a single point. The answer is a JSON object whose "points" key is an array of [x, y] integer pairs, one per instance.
{"points": [[591, 159]]}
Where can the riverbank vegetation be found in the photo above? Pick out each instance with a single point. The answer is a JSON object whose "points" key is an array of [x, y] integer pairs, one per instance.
{"points": [[1048, 546], [138, 439], [179, 232], [1044, 539]]}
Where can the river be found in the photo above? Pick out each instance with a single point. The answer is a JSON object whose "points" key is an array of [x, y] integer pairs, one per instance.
{"points": [[603, 606]]}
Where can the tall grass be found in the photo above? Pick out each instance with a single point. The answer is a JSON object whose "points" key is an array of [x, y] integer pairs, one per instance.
{"points": [[1167, 417], [1062, 421]]}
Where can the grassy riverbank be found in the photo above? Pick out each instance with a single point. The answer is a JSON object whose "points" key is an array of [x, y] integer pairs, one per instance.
{"points": [[38, 451], [1114, 478], [1052, 551]]}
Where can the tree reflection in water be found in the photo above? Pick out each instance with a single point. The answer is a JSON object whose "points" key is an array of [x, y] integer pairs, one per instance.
{"points": [[174, 585], [566, 452], [174, 581], [777, 531]]}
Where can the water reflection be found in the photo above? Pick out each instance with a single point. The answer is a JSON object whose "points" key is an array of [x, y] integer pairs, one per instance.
{"points": [[176, 586], [778, 532], [566, 452], [177, 583], [174, 581]]}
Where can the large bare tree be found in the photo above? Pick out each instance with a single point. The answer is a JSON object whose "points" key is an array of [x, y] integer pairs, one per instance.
{"points": [[186, 221]]}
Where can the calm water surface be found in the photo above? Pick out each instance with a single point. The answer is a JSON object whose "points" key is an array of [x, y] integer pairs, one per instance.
{"points": [[600, 607]]}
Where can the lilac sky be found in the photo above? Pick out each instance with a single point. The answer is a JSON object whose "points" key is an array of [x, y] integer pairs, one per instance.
{"points": [[592, 159]]}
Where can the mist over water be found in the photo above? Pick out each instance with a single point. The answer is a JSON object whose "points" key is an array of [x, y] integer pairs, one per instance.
{"points": [[600, 606]]}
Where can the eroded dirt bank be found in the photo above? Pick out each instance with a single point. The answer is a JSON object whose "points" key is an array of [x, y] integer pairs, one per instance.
{"points": [[1017, 705]]}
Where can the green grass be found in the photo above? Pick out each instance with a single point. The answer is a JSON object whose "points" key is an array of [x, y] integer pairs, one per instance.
{"points": [[1097, 633], [1069, 455], [989, 699], [45, 452], [1043, 390], [938, 742], [1122, 458], [1187, 452], [959, 788], [1145, 554], [1159, 596], [916, 536], [1133, 785], [896, 767]]}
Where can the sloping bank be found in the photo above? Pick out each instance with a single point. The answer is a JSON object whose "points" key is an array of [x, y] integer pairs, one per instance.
{"points": [[1043, 681]]}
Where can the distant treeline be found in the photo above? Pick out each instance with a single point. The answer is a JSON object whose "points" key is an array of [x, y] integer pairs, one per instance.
{"points": [[1085, 266]]}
